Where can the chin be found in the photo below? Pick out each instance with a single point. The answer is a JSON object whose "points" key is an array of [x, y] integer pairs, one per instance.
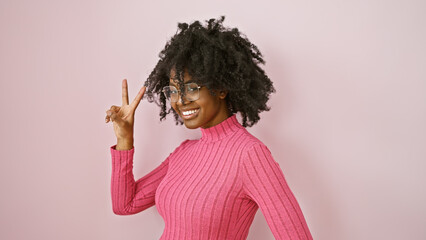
{"points": [[191, 125]]}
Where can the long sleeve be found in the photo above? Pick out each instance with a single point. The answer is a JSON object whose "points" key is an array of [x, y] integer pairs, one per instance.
{"points": [[265, 184], [130, 196]]}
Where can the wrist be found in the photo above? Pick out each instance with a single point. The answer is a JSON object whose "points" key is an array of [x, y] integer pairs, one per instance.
{"points": [[124, 144]]}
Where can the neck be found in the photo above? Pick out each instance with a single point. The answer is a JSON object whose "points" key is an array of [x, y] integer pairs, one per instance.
{"points": [[224, 114], [221, 130]]}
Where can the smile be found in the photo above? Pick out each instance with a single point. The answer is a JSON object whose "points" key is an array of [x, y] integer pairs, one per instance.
{"points": [[190, 114]]}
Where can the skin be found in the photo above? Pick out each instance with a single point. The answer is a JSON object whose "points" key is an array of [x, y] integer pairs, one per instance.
{"points": [[123, 118], [212, 109]]}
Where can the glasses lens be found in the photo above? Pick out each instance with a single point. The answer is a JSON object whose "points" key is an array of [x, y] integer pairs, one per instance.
{"points": [[191, 92], [170, 93]]}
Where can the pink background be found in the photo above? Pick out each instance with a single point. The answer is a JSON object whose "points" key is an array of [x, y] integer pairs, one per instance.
{"points": [[347, 123]]}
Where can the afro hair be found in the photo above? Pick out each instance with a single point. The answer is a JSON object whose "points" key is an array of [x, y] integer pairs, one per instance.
{"points": [[218, 58]]}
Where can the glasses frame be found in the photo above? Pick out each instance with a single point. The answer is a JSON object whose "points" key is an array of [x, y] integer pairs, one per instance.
{"points": [[185, 85]]}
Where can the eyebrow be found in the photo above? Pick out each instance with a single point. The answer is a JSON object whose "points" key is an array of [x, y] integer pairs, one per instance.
{"points": [[190, 81]]}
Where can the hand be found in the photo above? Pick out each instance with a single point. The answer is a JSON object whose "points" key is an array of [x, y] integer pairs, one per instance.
{"points": [[123, 117]]}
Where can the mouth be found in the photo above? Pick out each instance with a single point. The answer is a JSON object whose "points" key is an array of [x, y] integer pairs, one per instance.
{"points": [[190, 114]]}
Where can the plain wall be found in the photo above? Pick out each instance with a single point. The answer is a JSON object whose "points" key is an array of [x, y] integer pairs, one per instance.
{"points": [[347, 122]]}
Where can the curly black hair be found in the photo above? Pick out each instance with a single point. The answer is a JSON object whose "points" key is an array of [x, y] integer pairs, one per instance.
{"points": [[218, 58]]}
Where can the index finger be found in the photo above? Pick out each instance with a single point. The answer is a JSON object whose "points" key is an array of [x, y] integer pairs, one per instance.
{"points": [[124, 93], [138, 98]]}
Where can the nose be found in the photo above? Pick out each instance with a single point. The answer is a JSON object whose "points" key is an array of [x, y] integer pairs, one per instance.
{"points": [[180, 101]]}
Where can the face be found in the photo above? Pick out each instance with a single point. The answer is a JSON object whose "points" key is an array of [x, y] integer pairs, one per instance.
{"points": [[210, 110]]}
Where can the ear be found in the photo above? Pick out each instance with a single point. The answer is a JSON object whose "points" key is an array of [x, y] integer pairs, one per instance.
{"points": [[222, 94]]}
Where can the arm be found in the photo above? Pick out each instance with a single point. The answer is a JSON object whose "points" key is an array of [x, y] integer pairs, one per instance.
{"points": [[128, 196], [265, 184]]}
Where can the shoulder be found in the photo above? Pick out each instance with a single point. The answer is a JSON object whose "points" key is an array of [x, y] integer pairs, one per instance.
{"points": [[251, 142], [181, 147], [255, 152], [184, 144]]}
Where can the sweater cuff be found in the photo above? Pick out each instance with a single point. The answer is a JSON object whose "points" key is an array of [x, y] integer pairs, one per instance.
{"points": [[121, 155], [115, 150]]}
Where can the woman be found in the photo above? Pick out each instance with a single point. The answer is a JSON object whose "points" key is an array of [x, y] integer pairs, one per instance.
{"points": [[212, 187]]}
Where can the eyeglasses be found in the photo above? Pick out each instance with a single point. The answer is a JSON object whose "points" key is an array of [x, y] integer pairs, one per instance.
{"points": [[192, 92]]}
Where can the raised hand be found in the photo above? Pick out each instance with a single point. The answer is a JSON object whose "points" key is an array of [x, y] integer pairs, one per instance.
{"points": [[123, 117]]}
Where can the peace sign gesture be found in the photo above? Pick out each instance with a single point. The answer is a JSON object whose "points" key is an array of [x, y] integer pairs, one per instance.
{"points": [[123, 117]]}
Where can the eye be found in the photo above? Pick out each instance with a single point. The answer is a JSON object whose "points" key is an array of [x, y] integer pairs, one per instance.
{"points": [[172, 89], [191, 87]]}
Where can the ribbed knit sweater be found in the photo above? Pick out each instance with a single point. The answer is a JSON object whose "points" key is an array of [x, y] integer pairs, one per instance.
{"points": [[211, 188]]}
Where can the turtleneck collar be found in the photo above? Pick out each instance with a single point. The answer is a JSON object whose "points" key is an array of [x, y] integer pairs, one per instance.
{"points": [[221, 130]]}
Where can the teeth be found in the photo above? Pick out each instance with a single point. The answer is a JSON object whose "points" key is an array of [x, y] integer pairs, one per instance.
{"points": [[189, 112]]}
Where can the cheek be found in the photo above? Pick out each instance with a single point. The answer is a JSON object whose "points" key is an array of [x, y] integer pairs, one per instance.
{"points": [[207, 101], [174, 106]]}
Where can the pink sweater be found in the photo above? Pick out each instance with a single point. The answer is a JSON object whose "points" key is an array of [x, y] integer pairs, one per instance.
{"points": [[211, 188]]}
